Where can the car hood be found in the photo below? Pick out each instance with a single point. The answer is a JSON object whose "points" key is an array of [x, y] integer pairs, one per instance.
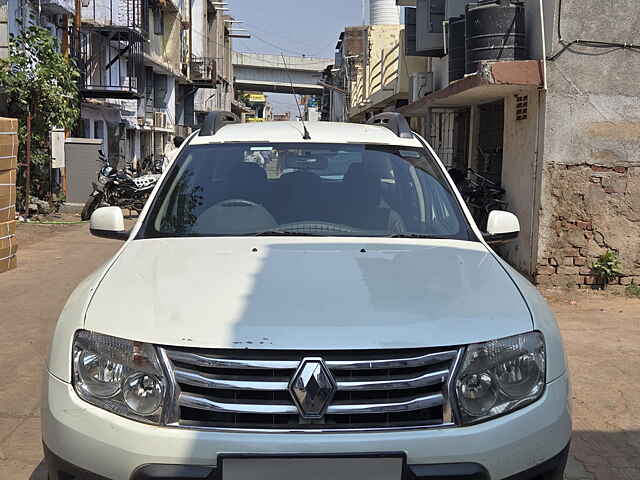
{"points": [[307, 294]]}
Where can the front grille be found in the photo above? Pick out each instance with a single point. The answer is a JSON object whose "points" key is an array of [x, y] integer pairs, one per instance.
{"points": [[248, 389]]}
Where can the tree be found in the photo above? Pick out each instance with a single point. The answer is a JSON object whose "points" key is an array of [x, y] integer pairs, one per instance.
{"points": [[41, 90]]}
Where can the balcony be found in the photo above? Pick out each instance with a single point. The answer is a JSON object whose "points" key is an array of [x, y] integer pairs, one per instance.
{"points": [[110, 61], [128, 14], [203, 71], [58, 7]]}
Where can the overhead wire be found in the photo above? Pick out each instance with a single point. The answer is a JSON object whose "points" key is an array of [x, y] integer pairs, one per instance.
{"points": [[315, 53], [566, 45]]}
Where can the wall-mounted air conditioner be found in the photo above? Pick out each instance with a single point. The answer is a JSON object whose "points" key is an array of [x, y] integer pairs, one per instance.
{"points": [[420, 85]]}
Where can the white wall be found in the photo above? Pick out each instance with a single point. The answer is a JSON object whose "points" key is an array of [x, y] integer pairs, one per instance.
{"points": [[199, 28], [170, 99], [521, 168], [440, 69]]}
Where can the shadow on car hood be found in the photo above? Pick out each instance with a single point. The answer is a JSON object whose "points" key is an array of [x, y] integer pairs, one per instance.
{"points": [[307, 294]]}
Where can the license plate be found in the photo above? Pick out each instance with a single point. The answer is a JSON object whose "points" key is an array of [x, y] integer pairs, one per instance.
{"points": [[311, 467]]}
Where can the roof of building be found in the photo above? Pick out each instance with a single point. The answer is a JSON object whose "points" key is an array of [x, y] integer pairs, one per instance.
{"points": [[293, 131]]}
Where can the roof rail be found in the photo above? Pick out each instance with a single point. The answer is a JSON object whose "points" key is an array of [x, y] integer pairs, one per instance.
{"points": [[215, 121], [393, 121]]}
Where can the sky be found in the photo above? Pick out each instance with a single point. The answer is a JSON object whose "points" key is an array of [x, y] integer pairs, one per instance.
{"points": [[293, 27]]}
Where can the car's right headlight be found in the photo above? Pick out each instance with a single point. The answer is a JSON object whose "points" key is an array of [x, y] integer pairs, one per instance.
{"points": [[122, 376], [500, 376]]}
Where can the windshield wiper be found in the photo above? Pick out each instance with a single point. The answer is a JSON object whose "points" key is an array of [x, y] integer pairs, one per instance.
{"points": [[414, 235], [281, 233]]}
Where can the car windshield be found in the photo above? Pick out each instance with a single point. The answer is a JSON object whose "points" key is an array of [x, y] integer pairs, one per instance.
{"points": [[305, 189]]}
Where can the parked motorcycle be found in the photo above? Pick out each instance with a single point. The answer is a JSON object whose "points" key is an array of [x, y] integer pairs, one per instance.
{"points": [[151, 165], [118, 188]]}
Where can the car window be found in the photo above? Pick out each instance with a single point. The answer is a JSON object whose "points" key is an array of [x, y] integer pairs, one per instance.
{"points": [[311, 189]]}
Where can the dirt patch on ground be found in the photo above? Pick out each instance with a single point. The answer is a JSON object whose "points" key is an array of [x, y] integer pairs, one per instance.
{"points": [[601, 332]]}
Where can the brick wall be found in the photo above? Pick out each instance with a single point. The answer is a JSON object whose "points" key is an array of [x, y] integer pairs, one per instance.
{"points": [[590, 209]]}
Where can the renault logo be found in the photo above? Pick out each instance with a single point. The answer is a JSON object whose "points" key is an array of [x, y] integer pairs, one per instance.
{"points": [[312, 388]]}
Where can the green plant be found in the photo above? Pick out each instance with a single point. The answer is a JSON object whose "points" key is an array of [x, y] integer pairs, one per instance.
{"points": [[632, 290], [41, 90], [607, 268]]}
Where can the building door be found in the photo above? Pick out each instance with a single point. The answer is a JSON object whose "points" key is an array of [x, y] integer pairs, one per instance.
{"points": [[490, 140]]}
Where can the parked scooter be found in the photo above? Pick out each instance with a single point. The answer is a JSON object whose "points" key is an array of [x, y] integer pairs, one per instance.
{"points": [[118, 188]]}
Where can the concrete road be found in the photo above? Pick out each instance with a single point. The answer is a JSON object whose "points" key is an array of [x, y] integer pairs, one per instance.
{"points": [[51, 262], [602, 334]]}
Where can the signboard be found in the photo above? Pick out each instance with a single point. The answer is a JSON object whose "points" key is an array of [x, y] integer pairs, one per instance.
{"points": [[257, 98], [57, 148]]}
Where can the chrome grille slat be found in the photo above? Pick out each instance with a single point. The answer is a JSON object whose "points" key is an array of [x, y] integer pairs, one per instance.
{"points": [[204, 380], [201, 402], [249, 389], [395, 384], [419, 361], [202, 360], [419, 403], [194, 400]]}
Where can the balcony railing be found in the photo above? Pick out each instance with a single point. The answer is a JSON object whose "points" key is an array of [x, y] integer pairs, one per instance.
{"points": [[132, 14], [111, 63], [203, 70]]}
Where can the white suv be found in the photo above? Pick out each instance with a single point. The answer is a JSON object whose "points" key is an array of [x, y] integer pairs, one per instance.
{"points": [[306, 302]]}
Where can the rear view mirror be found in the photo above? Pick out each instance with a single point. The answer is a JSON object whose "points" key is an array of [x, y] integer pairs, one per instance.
{"points": [[502, 227], [108, 222]]}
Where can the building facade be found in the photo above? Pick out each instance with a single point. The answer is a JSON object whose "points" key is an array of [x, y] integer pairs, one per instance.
{"points": [[151, 69], [548, 115]]}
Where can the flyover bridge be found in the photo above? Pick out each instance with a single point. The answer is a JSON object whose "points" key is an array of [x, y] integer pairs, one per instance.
{"points": [[268, 73]]}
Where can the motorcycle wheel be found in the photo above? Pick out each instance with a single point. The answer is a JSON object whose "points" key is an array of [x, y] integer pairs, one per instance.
{"points": [[92, 204]]}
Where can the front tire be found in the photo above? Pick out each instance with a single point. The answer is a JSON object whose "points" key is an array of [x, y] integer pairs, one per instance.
{"points": [[92, 204]]}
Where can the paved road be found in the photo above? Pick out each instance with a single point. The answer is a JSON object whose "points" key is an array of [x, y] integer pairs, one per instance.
{"points": [[31, 297], [602, 335]]}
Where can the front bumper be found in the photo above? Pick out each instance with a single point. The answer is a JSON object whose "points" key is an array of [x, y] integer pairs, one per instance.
{"points": [[104, 446]]}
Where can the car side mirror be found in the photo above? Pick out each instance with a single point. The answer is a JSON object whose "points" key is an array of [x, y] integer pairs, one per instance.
{"points": [[108, 222], [501, 227]]}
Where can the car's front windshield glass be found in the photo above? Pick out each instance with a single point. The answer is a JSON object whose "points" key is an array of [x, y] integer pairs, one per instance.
{"points": [[305, 189]]}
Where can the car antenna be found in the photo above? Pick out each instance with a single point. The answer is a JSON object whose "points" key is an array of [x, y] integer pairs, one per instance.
{"points": [[306, 135]]}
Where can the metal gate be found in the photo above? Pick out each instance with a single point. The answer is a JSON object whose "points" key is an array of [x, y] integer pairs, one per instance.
{"points": [[449, 136]]}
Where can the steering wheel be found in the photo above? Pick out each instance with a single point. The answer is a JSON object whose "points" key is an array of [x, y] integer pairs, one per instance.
{"points": [[237, 202]]}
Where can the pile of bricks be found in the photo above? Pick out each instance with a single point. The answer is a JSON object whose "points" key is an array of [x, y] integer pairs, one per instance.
{"points": [[8, 173]]}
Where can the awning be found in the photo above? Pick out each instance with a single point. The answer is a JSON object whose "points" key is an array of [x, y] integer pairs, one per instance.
{"points": [[493, 81]]}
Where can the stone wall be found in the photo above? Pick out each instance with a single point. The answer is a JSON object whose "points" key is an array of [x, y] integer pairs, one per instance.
{"points": [[590, 190], [593, 209]]}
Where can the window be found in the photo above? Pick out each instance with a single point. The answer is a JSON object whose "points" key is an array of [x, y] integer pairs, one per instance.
{"points": [[158, 21], [86, 128], [159, 91], [302, 189], [98, 129]]}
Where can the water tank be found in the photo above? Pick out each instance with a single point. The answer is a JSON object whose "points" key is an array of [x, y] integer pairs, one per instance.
{"points": [[457, 47], [384, 12], [495, 31]]}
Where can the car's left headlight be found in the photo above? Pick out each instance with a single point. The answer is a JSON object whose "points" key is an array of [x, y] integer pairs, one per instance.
{"points": [[500, 376], [122, 376]]}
